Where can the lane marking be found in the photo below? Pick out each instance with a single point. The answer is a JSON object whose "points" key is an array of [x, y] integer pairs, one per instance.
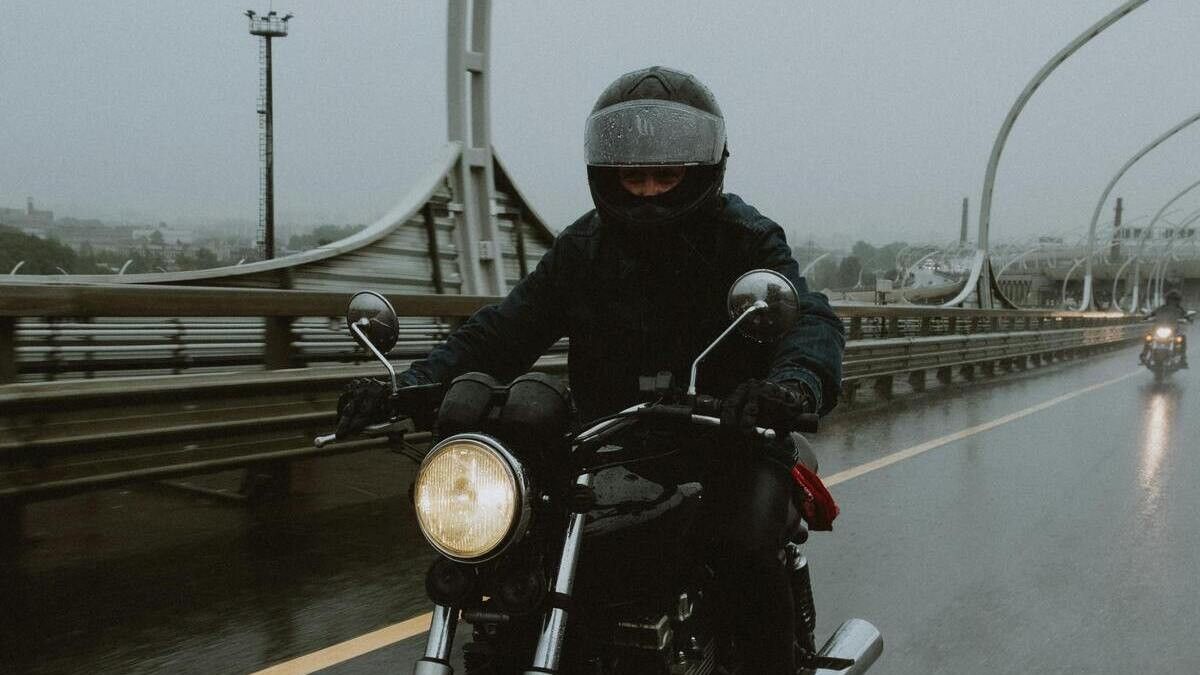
{"points": [[344, 651], [901, 455]]}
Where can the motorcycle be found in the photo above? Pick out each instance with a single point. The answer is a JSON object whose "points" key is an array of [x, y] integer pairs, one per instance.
{"points": [[554, 549], [1163, 352]]}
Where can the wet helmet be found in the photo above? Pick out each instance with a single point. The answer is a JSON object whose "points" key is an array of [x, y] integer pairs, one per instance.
{"points": [[1174, 296], [655, 117]]}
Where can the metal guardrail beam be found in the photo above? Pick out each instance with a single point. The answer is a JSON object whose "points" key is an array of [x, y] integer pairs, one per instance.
{"points": [[144, 300], [83, 300], [264, 326]]}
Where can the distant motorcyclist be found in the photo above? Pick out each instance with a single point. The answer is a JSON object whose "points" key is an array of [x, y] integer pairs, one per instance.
{"points": [[1171, 314], [638, 285]]}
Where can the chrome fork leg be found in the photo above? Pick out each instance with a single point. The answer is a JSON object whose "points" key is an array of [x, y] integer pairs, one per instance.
{"points": [[437, 647], [554, 627]]}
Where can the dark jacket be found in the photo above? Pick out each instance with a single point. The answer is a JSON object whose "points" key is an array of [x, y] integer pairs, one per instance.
{"points": [[1168, 314], [628, 315]]}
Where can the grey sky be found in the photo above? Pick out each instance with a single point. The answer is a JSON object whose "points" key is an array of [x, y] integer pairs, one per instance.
{"points": [[846, 119]]}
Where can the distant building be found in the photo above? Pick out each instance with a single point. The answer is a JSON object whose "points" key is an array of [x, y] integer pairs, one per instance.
{"points": [[170, 235], [27, 219]]}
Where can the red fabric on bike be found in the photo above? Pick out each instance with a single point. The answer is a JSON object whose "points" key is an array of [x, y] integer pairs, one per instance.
{"points": [[818, 506]]}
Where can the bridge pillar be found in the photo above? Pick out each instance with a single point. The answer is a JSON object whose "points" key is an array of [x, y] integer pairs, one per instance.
{"points": [[477, 236], [945, 375]]}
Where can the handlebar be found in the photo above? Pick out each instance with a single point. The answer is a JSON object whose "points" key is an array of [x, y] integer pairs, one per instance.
{"points": [[807, 423], [389, 428], [704, 410]]}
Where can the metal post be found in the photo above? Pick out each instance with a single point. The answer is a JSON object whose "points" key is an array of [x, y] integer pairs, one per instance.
{"points": [[962, 232], [269, 162], [476, 233], [278, 349], [979, 281], [8, 349], [1114, 253], [435, 255]]}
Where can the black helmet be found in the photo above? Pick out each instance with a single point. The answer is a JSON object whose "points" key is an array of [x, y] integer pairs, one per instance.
{"points": [[655, 117], [1174, 296]]}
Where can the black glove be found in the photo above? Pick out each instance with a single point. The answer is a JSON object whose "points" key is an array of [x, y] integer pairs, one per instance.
{"points": [[364, 401], [757, 403]]}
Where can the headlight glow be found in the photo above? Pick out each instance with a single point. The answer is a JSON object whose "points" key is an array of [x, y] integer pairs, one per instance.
{"points": [[468, 496], [1163, 333]]}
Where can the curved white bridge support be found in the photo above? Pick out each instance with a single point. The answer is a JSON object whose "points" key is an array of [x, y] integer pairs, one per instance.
{"points": [[1087, 301], [979, 283]]}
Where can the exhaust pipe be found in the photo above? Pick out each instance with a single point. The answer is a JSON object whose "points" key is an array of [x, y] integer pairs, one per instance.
{"points": [[855, 640]]}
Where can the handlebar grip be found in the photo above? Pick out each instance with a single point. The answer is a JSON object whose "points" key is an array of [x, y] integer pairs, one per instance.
{"points": [[708, 405]]}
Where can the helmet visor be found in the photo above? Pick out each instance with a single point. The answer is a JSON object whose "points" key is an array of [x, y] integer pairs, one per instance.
{"points": [[653, 133]]}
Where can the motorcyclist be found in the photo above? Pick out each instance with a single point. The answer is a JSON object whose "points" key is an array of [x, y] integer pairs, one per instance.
{"points": [[1172, 314], [638, 285]]}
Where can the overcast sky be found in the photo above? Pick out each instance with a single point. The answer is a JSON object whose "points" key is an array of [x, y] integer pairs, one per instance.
{"points": [[851, 119]]}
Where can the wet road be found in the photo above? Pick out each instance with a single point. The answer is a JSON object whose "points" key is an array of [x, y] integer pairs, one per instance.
{"points": [[1051, 528]]}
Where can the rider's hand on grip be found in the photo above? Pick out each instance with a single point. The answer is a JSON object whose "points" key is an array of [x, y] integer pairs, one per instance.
{"points": [[757, 403], [364, 401]]}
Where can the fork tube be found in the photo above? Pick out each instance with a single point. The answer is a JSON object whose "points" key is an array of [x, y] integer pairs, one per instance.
{"points": [[554, 628], [437, 646]]}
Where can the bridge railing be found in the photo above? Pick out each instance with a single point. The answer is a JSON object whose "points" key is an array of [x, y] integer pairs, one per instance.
{"points": [[76, 434], [72, 331]]}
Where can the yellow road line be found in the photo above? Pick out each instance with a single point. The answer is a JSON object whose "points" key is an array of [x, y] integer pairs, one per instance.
{"points": [[344, 651]]}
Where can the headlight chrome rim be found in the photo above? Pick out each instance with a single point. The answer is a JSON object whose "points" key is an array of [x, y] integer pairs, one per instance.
{"points": [[519, 522]]}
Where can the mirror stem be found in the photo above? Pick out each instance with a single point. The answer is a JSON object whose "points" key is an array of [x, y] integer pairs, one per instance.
{"points": [[386, 364], [758, 305]]}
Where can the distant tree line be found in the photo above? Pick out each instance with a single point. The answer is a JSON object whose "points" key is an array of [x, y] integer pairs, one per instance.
{"points": [[47, 256], [861, 266], [320, 236]]}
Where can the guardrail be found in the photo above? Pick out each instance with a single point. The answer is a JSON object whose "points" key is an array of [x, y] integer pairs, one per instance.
{"points": [[71, 331], [71, 435]]}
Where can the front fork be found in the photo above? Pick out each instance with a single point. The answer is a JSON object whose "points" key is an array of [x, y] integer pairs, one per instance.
{"points": [[554, 627], [437, 646], [550, 642]]}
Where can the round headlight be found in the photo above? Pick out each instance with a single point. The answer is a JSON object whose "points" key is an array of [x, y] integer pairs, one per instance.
{"points": [[1163, 333], [470, 497]]}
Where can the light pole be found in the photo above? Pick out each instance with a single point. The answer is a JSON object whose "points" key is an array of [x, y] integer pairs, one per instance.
{"points": [[979, 281], [267, 27]]}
